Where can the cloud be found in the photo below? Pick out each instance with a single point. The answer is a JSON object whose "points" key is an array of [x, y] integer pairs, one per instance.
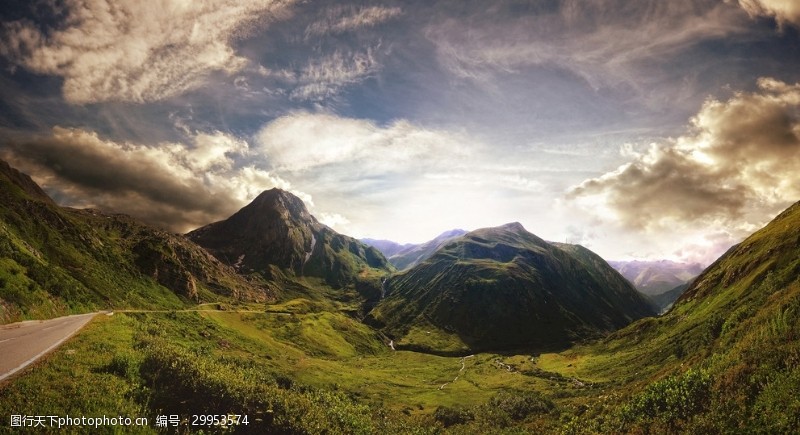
{"points": [[324, 77], [341, 19], [136, 51], [302, 141], [784, 11], [173, 185], [333, 219], [401, 180], [735, 169], [609, 43]]}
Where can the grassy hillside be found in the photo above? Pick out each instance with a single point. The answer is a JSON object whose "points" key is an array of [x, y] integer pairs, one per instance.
{"points": [[291, 370], [55, 260], [505, 288], [725, 358]]}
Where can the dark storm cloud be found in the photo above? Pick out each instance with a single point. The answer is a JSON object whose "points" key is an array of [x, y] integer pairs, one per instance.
{"points": [[171, 185]]}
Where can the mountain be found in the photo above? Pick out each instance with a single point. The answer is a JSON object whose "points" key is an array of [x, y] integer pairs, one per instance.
{"points": [[769, 259], [387, 247], [55, 260], [409, 255], [662, 281], [502, 288], [277, 231], [726, 357], [656, 277], [665, 300]]}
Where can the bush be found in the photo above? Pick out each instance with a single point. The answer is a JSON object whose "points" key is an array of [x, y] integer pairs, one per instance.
{"points": [[124, 366], [518, 406], [452, 416], [671, 400], [712, 329]]}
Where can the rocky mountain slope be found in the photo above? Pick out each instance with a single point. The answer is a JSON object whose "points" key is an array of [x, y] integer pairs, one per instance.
{"points": [[276, 231]]}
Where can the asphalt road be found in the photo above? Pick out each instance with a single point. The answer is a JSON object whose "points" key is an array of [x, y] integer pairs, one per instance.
{"points": [[23, 343]]}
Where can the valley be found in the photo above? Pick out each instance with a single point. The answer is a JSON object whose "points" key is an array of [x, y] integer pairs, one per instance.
{"points": [[305, 330]]}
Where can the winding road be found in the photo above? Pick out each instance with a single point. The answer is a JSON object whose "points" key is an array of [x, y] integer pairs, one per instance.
{"points": [[25, 342]]}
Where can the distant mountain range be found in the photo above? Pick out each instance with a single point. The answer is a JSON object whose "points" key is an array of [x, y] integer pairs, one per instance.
{"points": [[662, 281], [503, 287], [656, 277], [410, 254]]}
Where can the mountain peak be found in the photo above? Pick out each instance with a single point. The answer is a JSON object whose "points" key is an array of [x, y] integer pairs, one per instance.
{"points": [[276, 229], [502, 287], [513, 226], [276, 199], [451, 233]]}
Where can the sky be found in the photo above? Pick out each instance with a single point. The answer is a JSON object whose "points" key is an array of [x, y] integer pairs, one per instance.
{"points": [[641, 129]]}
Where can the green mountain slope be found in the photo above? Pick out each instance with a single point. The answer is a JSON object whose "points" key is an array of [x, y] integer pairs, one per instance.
{"points": [[724, 359], [55, 260], [501, 288], [277, 231]]}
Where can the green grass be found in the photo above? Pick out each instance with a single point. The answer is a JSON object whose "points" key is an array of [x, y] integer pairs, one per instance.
{"points": [[92, 375], [162, 362], [307, 370]]}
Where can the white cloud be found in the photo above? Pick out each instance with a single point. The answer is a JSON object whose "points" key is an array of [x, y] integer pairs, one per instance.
{"points": [[735, 169], [400, 181], [137, 51], [784, 11], [303, 141], [323, 78], [606, 42], [333, 220], [174, 185], [340, 19]]}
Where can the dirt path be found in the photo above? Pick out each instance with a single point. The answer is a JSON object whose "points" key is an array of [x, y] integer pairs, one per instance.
{"points": [[460, 371]]}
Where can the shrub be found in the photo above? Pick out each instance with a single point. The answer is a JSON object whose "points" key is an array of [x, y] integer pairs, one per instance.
{"points": [[671, 400], [518, 406], [452, 416], [124, 366]]}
